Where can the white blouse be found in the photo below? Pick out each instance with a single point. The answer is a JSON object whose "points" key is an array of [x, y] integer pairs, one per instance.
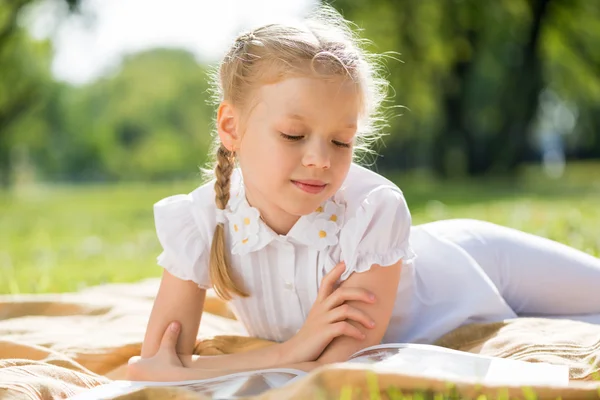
{"points": [[367, 222]]}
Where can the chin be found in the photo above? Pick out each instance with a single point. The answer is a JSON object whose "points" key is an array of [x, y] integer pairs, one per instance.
{"points": [[303, 208]]}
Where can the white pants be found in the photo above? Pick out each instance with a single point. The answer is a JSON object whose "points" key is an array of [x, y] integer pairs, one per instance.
{"points": [[535, 276]]}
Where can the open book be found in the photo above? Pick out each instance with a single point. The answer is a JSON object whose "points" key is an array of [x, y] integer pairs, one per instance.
{"points": [[412, 359]]}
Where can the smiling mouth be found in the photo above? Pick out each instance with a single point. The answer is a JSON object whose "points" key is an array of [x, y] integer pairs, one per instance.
{"points": [[310, 186]]}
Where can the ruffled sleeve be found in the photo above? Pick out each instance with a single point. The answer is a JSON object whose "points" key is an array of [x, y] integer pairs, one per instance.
{"points": [[184, 229], [378, 233]]}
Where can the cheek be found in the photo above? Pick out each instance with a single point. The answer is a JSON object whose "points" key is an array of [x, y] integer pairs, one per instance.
{"points": [[342, 159], [342, 164], [277, 154], [267, 157]]}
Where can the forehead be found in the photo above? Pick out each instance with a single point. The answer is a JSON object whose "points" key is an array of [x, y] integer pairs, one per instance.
{"points": [[312, 97]]}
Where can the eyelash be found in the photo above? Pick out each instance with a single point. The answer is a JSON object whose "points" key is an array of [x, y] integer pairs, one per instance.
{"points": [[297, 138]]}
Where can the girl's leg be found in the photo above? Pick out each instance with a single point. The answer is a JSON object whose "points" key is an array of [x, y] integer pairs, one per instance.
{"points": [[536, 276]]}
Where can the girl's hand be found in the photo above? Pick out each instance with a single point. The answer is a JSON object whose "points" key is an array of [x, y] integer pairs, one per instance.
{"points": [[164, 366], [328, 319]]}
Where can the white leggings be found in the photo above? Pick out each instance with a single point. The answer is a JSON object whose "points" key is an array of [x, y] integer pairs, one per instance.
{"points": [[536, 276]]}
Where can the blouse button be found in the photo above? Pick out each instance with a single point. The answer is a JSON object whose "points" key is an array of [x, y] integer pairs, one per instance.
{"points": [[289, 286]]}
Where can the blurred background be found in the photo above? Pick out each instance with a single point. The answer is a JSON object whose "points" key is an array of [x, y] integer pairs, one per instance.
{"points": [[494, 113]]}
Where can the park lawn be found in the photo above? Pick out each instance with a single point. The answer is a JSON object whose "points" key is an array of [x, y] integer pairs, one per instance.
{"points": [[59, 238]]}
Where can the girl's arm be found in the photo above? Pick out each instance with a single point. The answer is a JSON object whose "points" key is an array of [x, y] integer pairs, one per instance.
{"points": [[183, 301], [167, 356], [177, 300], [165, 365], [380, 280], [320, 341]]}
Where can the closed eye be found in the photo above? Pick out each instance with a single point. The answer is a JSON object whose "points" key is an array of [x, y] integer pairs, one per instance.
{"points": [[341, 144], [293, 138], [290, 137]]}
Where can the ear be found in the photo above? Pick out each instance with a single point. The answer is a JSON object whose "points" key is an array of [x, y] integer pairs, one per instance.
{"points": [[227, 126]]}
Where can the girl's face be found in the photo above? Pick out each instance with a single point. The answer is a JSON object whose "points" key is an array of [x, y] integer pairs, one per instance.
{"points": [[296, 149]]}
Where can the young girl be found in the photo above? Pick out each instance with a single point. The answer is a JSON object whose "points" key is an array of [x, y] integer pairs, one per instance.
{"points": [[317, 253]]}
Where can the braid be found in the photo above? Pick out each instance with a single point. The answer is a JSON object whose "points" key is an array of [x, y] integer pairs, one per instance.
{"points": [[223, 171], [219, 261]]}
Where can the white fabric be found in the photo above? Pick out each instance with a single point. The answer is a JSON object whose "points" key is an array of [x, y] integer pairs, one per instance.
{"points": [[453, 281], [536, 276], [248, 233], [183, 239], [381, 219]]}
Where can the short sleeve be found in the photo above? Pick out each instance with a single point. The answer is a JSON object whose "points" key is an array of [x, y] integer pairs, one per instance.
{"points": [[183, 230], [378, 233]]}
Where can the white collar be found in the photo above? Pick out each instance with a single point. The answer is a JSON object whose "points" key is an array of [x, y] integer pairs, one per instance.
{"points": [[248, 232]]}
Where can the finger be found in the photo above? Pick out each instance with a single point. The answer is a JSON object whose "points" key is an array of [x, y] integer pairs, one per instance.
{"points": [[345, 329], [169, 339], [342, 295], [346, 312], [329, 281]]}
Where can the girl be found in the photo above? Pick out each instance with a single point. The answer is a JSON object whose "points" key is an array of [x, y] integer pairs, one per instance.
{"points": [[317, 253]]}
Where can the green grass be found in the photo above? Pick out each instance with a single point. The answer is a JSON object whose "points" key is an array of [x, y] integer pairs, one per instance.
{"points": [[63, 238]]}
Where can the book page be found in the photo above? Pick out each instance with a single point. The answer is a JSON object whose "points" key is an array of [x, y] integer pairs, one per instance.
{"points": [[242, 385], [231, 386], [443, 363]]}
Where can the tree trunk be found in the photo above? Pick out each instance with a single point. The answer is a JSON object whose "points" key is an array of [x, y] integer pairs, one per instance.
{"points": [[520, 99], [456, 133]]}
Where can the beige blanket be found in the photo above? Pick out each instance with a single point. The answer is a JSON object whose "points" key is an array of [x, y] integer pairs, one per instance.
{"points": [[54, 346]]}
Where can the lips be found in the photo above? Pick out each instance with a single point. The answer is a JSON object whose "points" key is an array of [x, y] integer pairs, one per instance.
{"points": [[310, 186]]}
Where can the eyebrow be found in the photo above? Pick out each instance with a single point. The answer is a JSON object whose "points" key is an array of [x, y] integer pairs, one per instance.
{"points": [[299, 117]]}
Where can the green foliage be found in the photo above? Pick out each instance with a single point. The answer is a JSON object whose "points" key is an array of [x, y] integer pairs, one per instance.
{"points": [[147, 120], [24, 83], [470, 74]]}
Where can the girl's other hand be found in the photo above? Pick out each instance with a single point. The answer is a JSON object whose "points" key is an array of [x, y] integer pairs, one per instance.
{"points": [[328, 319]]}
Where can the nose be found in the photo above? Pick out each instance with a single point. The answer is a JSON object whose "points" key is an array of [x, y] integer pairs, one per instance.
{"points": [[317, 155]]}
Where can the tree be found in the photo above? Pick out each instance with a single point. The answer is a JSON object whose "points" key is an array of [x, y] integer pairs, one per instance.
{"points": [[24, 80], [472, 74], [147, 120]]}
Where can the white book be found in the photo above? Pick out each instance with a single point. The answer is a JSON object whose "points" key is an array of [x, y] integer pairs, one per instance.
{"points": [[410, 359]]}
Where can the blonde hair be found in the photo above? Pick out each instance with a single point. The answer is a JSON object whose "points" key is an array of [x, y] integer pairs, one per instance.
{"points": [[324, 46]]}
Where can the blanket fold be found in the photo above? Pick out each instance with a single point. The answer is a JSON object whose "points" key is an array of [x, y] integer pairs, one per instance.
{"points": [[54, 346]]}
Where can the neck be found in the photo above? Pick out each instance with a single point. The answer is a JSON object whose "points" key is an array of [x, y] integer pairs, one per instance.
{"points": [[281, 223], [277, 219]]}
